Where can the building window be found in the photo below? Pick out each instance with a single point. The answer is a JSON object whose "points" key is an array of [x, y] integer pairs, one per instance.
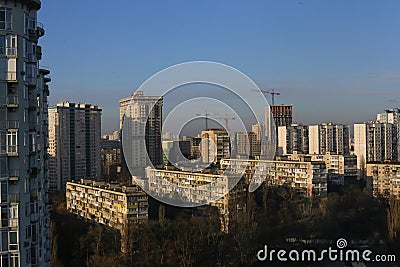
{"points": [[8, 45], [13, 241], [5, 18], [4, 191], [14, 260], [12, 142], [4, 244]]}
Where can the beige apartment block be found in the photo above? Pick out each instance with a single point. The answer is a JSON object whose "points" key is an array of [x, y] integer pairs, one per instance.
{"points": [[228, 195], [385, 179], [310, 178]]}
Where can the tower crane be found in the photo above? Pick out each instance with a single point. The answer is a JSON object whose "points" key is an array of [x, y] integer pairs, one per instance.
{"points": [[273, 93], [227, 119], [206, 117]]}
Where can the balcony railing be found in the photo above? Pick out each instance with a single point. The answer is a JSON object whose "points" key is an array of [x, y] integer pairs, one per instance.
{"points": [[12, 101], [7, 125], [13, 223], [9, 76], [13, 198], [13, 175], [8, 51]]}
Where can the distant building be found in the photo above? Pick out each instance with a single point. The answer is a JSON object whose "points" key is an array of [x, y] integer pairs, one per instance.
{"points": [[275, 116], [110, 204], [74, 136], [143, 115], [385, 179], [329, 137], [258, 129], [215, 145], [247, 144], [339, 167], [175, 151], [192, 189], [195, 152], [308, 178], [293, 138], [374, 142], [111, 137], [110, 159], [392, 116]]}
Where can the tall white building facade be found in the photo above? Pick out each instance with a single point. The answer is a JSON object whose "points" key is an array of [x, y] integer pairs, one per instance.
{"points": [[74, 149], [374, 142], [329, 137], [392, 116], [25, 218], [141, 124]]}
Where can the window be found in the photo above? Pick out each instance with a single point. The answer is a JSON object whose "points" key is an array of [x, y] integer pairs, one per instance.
{"points": [[26, 23], [3, 167], [12, 142], [14, 260], [4, 242], [13, 241], [4, 191], [5, 18]]}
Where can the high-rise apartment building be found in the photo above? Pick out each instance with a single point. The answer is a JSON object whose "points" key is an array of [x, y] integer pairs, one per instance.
{"points": [[293, 138], [24, 204], [141, 117], [110, 159], [247, 144], [329, 137], [215, 145], [392, 116], [258, 129], [74, 150], [374, 142], [275, 116]]}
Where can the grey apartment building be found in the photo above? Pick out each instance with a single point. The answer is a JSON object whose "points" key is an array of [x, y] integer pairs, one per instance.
{"points": [[74, 149], [25, 217]]}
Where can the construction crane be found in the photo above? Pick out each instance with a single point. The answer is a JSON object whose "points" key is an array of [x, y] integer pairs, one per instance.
{"points": [[206, 116], [226, 118], [272, 93]]}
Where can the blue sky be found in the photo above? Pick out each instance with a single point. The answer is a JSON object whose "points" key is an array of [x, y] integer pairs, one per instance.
{"points": [[333, 60]]}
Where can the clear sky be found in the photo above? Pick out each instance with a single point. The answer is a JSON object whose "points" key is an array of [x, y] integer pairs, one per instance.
{"points": [[333, 60]]}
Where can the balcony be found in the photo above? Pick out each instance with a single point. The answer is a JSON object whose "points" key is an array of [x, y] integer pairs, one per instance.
{"points": [[13, 175], [9, 76], [13, 198], [12, 151], [44, 70], [13, 223], [9, 125], [12, 101], [40, 29]]}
